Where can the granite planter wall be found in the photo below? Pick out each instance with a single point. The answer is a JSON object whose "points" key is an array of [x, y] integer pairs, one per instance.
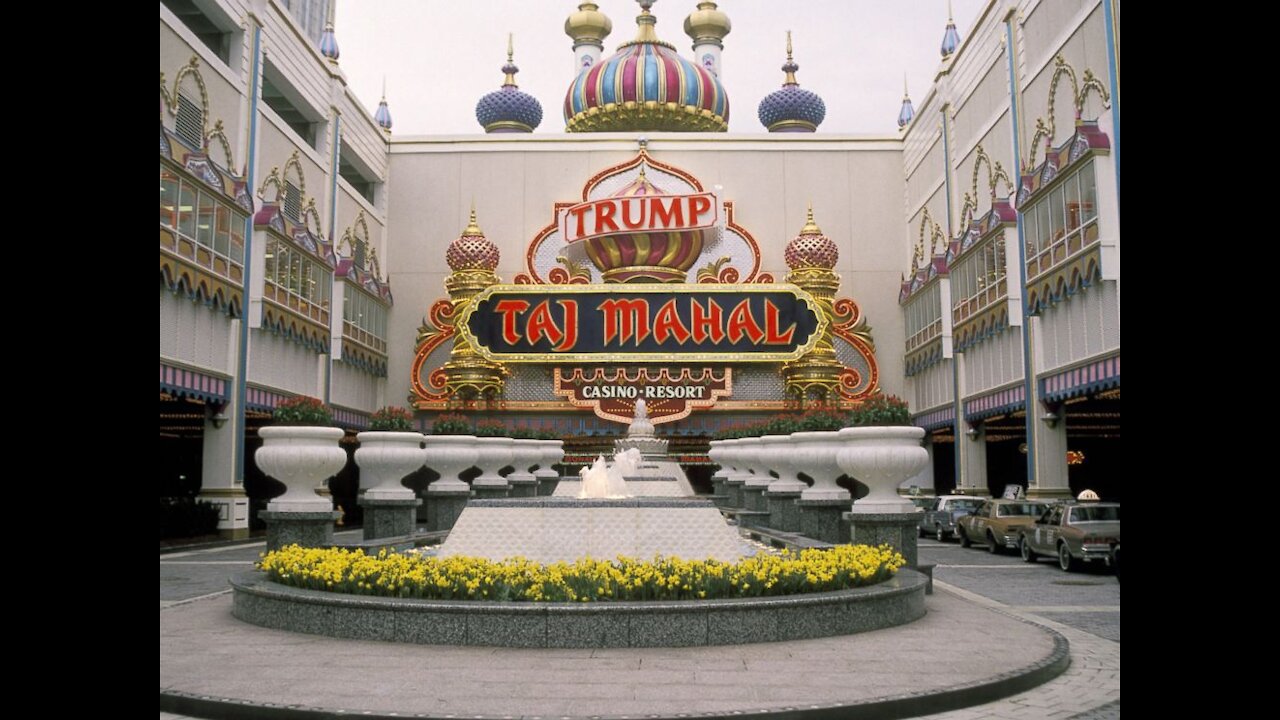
{"points": [[897, 601]]}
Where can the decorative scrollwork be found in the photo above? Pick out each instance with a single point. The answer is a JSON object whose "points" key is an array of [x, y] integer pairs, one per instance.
{"points": [[850, 379], [171, 98], [441, 315], [219, 133], [272, 180], [718, 271], [1079, 93], [309, 215], [764, 279], [571, 274], [524, 279], [847, 314]]}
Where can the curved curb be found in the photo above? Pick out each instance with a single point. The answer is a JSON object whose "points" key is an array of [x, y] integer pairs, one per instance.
{"points": [[687, 623], [890, 708]]}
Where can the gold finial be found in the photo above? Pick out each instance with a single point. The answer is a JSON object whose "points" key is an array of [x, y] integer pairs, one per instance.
{"points": [[790, 67], [384, 88], [904, 86], [950, 17], [510, 48], [510, 68], [810, 227], [644, 24], [588, 25], [473, 228], [642, 178], [788, 44]]}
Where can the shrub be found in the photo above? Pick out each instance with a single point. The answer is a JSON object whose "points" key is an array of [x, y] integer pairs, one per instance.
{"points": [[392, 419], [881, 410], [307, 411]]}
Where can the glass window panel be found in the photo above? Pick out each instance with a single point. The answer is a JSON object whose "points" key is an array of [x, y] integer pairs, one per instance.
{"points": [[1042, 220], [1029, 232], [283, 264], [1056, 214], [204, 221], [222, 232], [270, 272], [168, 198], [187, 210], [1073, 203], [295, 273], [1088, 194], [237, 237]]}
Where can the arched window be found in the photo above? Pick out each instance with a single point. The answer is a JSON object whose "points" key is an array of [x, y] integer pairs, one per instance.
{"points": [[189, 123]]}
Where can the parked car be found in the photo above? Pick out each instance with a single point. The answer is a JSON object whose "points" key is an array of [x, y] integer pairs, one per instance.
{"points": [[1074, 533], [940, 519], [999, 523]]}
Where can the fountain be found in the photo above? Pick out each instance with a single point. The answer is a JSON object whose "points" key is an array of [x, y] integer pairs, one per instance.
{"points": [[648, 471]]}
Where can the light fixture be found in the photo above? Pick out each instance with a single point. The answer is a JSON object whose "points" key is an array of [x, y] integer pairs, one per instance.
{"points": [[219, 420], [1051, 418], [972, 432]]}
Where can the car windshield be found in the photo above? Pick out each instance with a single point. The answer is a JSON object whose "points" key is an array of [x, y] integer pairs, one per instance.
{"points": [[1095, 513], [1018, 509], [965, 504]]}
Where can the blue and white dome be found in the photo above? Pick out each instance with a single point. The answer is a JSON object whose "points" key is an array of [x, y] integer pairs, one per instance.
{"points": [[908, 111], [950, 38], [509, 109], [792, 108]]}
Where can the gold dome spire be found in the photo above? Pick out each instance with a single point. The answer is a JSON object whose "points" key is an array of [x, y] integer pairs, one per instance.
{"points": [[588, 25], [473, 228], [645, 23], [810, 227], [707, 25]]}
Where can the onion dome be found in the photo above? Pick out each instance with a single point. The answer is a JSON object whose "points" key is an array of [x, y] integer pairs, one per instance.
{"points": [[382, 115], [907, 112], [811, 249], [645, 256], [646, 85], [329, 43], [950, 38], [472, 250], [588, 26], [707, 25], [791, 109], [508, 109]]}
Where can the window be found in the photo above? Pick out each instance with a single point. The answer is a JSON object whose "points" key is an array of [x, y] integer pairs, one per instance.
{"points": [[287, 103], [296, 280], [360, 179], [203, 217], [1062, 222], [292, 202], [924, 317], [364, 318], [979, 279]]}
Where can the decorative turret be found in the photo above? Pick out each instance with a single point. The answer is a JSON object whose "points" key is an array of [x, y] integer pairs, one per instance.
{"points": [[508, 109], [811, 257], [472, 258], [383, 115], [588, 27], [328, 41], [646, 85], [950, 38], [791, 109], [907, 112], [707, 26]]}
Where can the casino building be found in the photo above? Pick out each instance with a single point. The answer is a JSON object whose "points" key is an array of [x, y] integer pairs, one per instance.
{"points": [[968, 262]]}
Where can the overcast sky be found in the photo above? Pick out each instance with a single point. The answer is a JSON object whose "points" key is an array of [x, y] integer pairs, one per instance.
{"points": [[439, 58]]}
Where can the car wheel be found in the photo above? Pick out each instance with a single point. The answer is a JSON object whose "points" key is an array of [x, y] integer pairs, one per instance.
{"points": [[940, 533], [1065, 561], [1028, 555], [993, 547], [923, 532], [964, 539]]}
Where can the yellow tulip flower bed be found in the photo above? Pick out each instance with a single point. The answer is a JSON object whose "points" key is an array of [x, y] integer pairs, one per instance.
{"points": [[587, 580]]}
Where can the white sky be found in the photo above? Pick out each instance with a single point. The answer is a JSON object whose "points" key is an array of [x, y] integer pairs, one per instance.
{"points": [[439, 58]]}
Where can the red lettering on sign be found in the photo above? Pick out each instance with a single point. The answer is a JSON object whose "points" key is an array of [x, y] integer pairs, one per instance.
{"points": [[604, 215], [509, 309], [626, 213], [541, 323], [741, 322], [580, 213], [771, 335], [570, 325], [663, 217], [667, 323], [698, 204], [707, 323], [631, 315]]}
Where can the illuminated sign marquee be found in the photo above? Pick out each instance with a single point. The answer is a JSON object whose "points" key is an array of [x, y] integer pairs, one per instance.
{"points": [[670, 393], [642, 323], [639, 214]]}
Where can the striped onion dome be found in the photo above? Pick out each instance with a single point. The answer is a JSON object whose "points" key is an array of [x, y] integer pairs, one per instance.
{"points": [[645, 256], [509, 109], [646, 85], [791, 108], [329, 43]]}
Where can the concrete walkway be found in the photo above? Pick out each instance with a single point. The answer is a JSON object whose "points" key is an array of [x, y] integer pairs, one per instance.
{"points": [[959, 647]]}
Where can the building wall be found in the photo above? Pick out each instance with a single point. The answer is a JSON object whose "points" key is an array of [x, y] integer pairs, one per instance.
{"points": [[854, 184], [931, 388], [994, 362], [194, 333]]}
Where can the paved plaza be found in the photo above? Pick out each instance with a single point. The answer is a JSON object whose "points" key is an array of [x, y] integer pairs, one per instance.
{"points": [[991, 617]]}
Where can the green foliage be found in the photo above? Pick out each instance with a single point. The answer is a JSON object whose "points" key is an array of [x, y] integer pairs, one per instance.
{"points": [[305, 411], [392, 419], [879, 411], [452, 424]]}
